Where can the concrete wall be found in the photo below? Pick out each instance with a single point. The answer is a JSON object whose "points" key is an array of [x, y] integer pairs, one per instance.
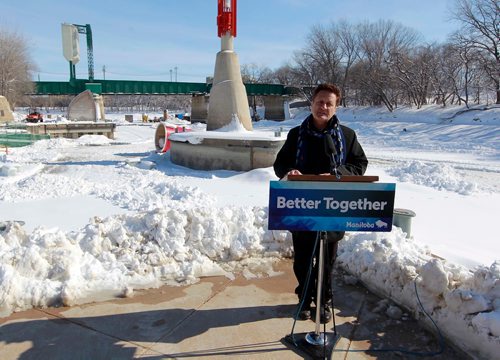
{"points": [[225, 154], [5, 112], [199, 108], [73, 130]]}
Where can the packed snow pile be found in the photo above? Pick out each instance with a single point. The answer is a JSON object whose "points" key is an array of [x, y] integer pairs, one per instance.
{"points": [[441, 177], [464, 304], [117, 254], [93, 140]]}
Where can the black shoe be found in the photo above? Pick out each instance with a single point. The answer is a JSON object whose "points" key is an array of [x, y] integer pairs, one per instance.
{"points": [[325, 314], [304, 313]]}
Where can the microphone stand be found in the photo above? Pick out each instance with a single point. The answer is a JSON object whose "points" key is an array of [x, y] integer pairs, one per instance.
{"points": [[334, 167], [318, 344], [331, 151]]}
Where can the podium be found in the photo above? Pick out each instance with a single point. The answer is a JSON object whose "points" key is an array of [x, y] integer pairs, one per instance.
{"points": [[322, 203], [343, 178]]}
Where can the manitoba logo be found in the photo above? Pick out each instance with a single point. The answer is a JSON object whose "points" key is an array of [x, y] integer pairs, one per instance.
{"points": [[360, 225], [381, 224], [367, 225]]}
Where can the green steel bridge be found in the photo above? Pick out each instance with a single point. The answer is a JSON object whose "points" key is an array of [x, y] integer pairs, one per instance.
{"points": [[130, 87]]}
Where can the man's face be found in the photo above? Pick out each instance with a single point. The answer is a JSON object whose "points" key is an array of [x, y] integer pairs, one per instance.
{"points": [[323, 107]]}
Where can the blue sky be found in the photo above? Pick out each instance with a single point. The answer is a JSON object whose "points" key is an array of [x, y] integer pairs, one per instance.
{"points": [[144, 40]]}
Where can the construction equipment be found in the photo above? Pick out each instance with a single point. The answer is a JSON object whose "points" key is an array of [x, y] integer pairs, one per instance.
{"points": [[34, 117]]}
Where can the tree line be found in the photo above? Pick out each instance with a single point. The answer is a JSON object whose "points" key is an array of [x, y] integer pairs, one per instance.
{"points": [[374, 63], [387, 63], [118, 102]]}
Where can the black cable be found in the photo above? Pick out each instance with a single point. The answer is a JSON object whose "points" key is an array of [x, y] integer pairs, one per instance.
{"points": [[442, 344]]}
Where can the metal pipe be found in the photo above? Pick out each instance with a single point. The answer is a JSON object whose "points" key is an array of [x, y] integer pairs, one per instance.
{"points": [[321, 262]]}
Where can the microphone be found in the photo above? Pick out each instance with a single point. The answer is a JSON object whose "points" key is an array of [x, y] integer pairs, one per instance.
{"points": [[331, 151]]}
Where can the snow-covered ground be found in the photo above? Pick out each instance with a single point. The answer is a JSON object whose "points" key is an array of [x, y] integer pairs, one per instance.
{"points": [[104, 217]]}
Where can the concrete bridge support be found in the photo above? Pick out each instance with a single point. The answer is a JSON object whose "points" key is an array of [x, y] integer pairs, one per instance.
{"points": [[199, 108], [228, 95], [5, 112], [275, 107]]}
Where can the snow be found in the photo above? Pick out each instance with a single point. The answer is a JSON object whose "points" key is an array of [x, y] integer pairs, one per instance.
{"points": [[92, 218]]}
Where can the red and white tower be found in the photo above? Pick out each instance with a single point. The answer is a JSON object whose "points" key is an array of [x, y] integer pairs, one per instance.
{"points": [[228, 97], [226, 18]]}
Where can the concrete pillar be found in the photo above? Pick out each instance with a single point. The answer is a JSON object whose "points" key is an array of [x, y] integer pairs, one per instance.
{"points": [[228, 95], [99, 101], [275, 107], [5, 112], [199, 108]]}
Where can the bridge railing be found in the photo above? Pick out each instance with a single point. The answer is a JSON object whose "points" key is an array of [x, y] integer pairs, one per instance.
{"points": [[76, 86]]}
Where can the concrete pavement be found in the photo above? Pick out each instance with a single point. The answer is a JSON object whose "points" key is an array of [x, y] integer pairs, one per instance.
{"points": [[216, 318]]}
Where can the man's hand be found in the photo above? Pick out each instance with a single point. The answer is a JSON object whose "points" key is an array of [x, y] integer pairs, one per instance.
{"points": [[291, 172]]}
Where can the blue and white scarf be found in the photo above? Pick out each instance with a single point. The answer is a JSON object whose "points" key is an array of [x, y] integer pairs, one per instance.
{"points": [[333, 129]]}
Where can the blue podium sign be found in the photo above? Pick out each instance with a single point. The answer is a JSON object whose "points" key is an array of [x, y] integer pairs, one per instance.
{"points": [[338, 206]]}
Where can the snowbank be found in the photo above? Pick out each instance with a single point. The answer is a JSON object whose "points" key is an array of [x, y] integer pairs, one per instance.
{"points": [[464, 304], [114, 255]]}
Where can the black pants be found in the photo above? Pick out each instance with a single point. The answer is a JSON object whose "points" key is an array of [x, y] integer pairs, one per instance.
{"points": [[303, 245]]}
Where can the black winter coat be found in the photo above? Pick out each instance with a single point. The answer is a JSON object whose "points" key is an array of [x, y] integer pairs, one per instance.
{"points": [[318, 161]]}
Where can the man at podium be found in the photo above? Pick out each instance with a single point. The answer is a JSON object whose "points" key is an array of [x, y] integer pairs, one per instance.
{"points": [[319, 146]]}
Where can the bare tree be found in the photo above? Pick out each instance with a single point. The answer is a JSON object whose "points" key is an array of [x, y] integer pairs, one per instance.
{"points": [[464, 70], [480, 20], [377, 41], [445, 74], [306, 70], [324, 49], [16, 67], [466, 55], [414, 71], [253, 73], [348, 39], [285, 75]]}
